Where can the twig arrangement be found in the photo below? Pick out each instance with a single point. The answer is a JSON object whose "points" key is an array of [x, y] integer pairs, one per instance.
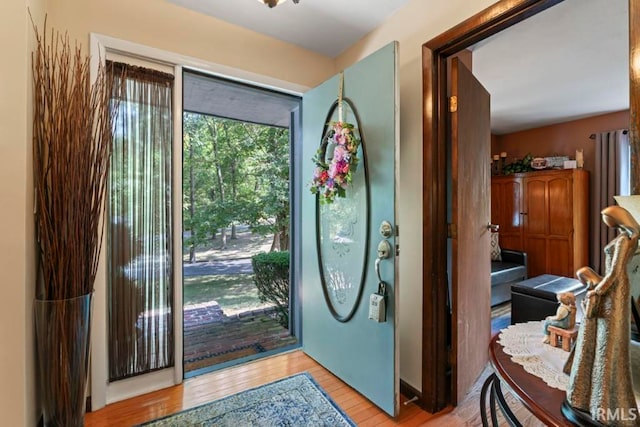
{"points": [[71, 150]]}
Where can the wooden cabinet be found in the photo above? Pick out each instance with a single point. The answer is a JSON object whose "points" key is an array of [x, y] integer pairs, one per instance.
{"points": [[506, 208], [545, 214]]}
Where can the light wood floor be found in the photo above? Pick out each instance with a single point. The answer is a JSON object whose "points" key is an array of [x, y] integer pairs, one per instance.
{"points": [[208, 387]]}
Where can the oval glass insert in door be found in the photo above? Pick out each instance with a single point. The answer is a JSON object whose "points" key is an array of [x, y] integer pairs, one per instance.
{"points": [[342, 226]]}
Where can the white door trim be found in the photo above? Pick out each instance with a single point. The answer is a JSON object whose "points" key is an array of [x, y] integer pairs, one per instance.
{"points": [[103, 393], [100, 44]]}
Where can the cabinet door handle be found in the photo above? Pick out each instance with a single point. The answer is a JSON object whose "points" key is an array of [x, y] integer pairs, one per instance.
{"points": [[524, 213]]}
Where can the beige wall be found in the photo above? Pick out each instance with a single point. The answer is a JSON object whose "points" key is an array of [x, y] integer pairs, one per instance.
{"points": [[151, 22], [417, 22], [163, 25], [17, 394], [171, 28]]}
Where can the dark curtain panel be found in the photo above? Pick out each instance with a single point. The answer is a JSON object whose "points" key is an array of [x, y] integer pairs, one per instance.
{"points": [[611, 178], [139, 229]]}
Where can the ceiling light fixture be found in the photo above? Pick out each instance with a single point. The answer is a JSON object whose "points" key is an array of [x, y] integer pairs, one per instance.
{"points": [[274, 3]]}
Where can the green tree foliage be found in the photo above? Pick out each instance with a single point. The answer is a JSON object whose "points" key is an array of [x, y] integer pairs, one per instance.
{"points": [[234, 172], [267, 207]]}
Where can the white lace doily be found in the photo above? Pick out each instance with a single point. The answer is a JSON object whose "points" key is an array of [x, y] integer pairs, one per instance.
{"points": [[523, 342]]}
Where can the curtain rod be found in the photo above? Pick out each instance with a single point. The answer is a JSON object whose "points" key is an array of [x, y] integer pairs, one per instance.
{"points": [[593, 135]]}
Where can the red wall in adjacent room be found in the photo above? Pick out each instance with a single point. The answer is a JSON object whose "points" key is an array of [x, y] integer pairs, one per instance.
{"points": [[562, 139]]}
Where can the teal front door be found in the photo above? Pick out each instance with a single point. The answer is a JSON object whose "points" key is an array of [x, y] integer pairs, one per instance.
{"points": [[349, 245]]}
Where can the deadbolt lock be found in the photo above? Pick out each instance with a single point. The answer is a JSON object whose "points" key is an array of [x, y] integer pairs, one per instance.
{"points": [[386, 229]]}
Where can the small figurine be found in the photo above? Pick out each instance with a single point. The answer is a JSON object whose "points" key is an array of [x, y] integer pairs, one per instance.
{"points": [[600, 381], [565, 315]]}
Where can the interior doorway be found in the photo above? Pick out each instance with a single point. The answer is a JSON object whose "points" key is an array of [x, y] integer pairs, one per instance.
{"points": [[522, 131], [237, 146], [435, 53]]}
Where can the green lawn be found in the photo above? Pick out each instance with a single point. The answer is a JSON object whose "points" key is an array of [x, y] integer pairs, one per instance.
{"points": [[234, 292]]}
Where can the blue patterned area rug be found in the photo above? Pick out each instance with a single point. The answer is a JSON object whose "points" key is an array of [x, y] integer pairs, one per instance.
{"points": [[292, 401]]}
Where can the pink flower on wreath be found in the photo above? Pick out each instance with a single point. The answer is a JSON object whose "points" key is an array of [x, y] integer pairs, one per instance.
{"points": [[333, 170], [320, 176], [345, 168], [332, 178], [338, 153]]}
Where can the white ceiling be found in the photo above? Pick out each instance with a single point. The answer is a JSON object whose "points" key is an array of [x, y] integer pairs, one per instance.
{"points": [[324, 26], [568, 62]]}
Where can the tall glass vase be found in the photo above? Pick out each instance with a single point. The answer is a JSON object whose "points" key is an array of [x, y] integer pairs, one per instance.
{"points": [[62, 340]]}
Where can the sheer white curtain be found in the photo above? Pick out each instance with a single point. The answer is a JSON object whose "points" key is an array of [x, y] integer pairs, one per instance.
{"points": [[139, 256], [611, 178]]}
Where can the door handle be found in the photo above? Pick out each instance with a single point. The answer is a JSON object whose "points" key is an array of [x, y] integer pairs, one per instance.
{"points": [[384, 252], [378, 269], [493, 227]]}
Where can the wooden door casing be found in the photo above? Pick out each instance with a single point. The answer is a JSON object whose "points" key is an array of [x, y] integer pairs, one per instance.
{"points": [[435, 52]]}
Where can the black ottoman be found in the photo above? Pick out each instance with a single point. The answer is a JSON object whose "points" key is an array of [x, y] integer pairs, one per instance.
{"points": [[535, 298]]}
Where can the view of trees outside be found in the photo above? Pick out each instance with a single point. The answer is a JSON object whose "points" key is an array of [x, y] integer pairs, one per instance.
{"points": [[235, 206], [234, 174]]}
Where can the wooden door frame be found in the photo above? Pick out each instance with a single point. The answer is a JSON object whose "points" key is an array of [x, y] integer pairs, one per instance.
{"points": [[436, 381]]}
